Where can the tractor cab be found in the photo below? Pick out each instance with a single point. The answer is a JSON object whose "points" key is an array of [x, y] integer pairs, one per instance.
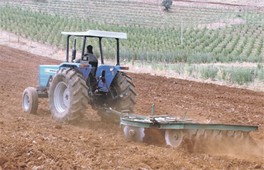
{"points": [[100, 35], [99, 78]]}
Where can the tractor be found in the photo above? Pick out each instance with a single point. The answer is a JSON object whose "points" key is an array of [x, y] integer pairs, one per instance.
{"points": [[74, 84]]}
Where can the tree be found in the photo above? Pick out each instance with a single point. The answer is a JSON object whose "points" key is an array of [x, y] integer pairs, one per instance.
{"points": [[167, 4]]}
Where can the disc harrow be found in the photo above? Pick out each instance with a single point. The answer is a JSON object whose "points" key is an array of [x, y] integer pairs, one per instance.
{"points": [[177, 130]]}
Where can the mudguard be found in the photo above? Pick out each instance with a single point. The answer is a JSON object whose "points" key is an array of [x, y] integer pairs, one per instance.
{"points": [[110, 73], [46, 72]]}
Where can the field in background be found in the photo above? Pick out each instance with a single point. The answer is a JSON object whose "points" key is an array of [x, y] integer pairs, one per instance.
{"points": [[192, 33]]}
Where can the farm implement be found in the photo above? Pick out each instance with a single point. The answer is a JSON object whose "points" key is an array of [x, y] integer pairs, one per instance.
{"points": [[75, 83], [176, 130]]}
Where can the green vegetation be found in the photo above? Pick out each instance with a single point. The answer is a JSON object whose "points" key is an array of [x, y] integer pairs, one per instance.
{"points": [[234, 75], [187, 34], [127, 12], [243, 43], [209, 72]]}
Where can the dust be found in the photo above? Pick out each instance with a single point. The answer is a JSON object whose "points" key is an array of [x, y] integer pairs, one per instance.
{"points": [[154, 136], [223, 145], [245, 148]]}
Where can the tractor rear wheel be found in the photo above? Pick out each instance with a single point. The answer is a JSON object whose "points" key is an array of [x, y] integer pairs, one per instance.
{"points": [[30, 100], [68, 95], [123, 90]]}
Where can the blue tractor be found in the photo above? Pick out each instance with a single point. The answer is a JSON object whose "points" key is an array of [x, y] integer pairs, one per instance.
{"points": [[74, 84]]}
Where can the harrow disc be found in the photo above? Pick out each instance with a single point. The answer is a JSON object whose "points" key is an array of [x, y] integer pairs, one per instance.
{"points": [[230, 133], [246, 138], [201, 133], [134, 133], [216, 134], [239, 135], [191, 133], [173, 138]]}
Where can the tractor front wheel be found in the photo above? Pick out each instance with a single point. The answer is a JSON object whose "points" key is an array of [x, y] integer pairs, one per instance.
{"points": [[68, 95], [30, 100]]}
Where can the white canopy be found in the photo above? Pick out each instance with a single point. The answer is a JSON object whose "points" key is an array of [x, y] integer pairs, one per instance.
{"points": [[98, 34]]}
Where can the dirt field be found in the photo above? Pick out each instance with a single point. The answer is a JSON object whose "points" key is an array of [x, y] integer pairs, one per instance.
{"points": [[38, 142]]}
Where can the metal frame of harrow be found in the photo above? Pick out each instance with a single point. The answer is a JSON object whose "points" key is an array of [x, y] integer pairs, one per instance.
{"points": [[175, 128], [170, 122]]}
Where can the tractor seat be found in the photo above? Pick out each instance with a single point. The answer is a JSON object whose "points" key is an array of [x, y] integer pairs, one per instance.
{"points": [[94, 64], [91, 59], [94, 67]]}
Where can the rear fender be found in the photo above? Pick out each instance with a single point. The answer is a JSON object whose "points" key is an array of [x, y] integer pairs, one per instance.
{"points": [[110, 73], [69, 65], [46, 72], [85, 69]]}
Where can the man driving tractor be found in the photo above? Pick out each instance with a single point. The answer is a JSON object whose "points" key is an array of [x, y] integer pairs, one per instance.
{"points": [[91, 57]]}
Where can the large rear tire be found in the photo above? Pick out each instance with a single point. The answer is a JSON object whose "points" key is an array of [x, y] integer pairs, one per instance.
{"points": [[68, 95], [123, 90], [30, 100]]}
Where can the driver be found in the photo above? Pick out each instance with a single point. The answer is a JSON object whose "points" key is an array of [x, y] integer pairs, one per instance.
{"points": [[91, 57]]}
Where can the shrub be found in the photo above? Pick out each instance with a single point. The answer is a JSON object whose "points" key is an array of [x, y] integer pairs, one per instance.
{"points": [[242, 75], [260, 72], [209, 72], [167, 4]]}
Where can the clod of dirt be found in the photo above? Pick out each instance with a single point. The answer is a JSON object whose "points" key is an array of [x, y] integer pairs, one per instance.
{"points": [[37, 167], [3, 161], [58, 127], [258, 166]]}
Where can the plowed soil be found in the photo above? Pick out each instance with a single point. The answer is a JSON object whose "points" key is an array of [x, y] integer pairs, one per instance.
{"points": [[38, 142]]}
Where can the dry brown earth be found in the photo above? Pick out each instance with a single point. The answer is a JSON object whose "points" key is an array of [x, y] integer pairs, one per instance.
{"points": [[38, 142]]}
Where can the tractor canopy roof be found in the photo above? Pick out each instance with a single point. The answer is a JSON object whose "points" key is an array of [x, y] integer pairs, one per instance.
{"points": [[98, 34]]}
